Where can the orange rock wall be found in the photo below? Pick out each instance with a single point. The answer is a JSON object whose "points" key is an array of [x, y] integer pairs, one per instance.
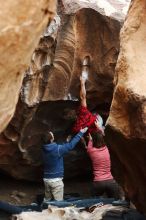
{"points": [[19, 35], [126, 125], [51, 86]]}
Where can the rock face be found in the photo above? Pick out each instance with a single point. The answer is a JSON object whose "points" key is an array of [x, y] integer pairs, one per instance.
{"points": [[19, 34], [51, 89], [107, 211], [114, 9], [126, 125]]}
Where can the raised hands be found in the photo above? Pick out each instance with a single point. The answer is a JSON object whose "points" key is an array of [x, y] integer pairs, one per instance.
{"points": [[83, 130]]}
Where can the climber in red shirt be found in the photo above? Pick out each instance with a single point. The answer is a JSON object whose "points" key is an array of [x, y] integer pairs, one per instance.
{"points": [[84, 117]]}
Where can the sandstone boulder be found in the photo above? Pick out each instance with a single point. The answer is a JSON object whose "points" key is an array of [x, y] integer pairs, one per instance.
{"points": [[19, 34], [126, 125]]}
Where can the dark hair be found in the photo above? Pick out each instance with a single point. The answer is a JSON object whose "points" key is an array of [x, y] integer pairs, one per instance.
{"points": [[98, 140], [47, 138]]}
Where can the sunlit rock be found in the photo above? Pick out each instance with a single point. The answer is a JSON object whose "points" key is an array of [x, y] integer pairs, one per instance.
{"points": [[114, 9], [98, 211], [126, 125], [21, 23]]}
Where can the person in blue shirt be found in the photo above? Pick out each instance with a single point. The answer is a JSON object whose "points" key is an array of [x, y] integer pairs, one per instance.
{"points": [[53, 164]]}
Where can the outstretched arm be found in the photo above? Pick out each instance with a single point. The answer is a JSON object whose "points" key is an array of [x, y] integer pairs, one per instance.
{"points": [[90, 137], [98, 128], [65, 148], [83, 78], [87, 140], [90, 143], [83, 92]]}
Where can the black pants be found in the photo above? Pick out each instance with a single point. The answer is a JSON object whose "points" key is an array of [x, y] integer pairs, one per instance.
{"points": [[108, 187]]}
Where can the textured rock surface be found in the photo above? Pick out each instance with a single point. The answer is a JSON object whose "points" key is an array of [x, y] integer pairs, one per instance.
{"points": [[97, 213], [52, 83], [126, 126], [19, 34], [73, 43], [114, 9]]}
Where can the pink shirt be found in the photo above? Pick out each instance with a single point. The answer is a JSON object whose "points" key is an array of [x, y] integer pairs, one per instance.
{"points": [[100, 161]]}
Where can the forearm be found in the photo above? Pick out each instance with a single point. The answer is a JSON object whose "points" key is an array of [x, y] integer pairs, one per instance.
{"points": [[83, 90], [89, 137], [65, 148], [75, 140], [83, 94]]}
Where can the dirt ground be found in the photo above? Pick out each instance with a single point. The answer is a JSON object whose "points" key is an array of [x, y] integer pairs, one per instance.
{"points": [[23, 193]]}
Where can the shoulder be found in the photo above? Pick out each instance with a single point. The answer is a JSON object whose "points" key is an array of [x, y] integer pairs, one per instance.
{"points": [[50, 146], [105, 149]]}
